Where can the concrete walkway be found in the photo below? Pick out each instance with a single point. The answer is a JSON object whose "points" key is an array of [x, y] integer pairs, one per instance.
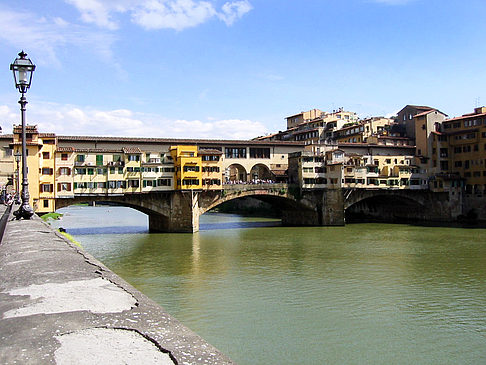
{"points": [[59, 305]]}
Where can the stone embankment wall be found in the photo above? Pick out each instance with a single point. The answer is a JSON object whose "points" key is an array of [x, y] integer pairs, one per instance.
{"points": [[59, 305]]}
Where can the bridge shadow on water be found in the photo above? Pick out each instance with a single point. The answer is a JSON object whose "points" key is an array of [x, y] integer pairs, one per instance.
{"points": [[144, 229], [234, 225]]}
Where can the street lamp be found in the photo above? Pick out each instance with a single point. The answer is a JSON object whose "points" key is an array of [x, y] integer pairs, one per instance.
{"points": [[23, 68], [18, 156]]}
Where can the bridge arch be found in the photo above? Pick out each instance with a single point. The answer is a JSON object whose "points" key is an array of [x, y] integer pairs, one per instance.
{"points": [[167, 211], [388, 206]]}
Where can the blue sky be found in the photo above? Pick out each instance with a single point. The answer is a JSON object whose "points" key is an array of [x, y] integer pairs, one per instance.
{"points": [[236, 68]]}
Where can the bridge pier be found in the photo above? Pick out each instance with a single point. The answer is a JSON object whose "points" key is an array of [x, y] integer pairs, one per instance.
{"points": [[326, 208], [182, 216]]}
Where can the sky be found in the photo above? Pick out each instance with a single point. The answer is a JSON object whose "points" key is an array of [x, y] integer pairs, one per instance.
{"points": [[234, 69]]}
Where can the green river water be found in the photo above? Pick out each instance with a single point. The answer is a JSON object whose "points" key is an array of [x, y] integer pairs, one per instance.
{"points": [[265, 294]]}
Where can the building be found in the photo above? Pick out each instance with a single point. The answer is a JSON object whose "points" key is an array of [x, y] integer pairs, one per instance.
{"points": [[360, 132], [458, 153], [405, 118], [313, 126], [356, 166]]}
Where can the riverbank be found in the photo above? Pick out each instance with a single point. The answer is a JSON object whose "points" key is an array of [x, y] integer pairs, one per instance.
{"points": [[60, 305]]}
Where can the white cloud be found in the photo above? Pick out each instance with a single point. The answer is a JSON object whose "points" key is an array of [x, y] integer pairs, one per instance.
{"points": [[159, 14], [178, 15], [75, 120], [230, 12], [44, 36]]}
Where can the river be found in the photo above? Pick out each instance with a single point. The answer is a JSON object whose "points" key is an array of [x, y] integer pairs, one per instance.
{"points": [[265, 294]]}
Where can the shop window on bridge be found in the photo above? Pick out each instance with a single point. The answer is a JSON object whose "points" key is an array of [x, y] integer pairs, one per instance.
{"points": [[235, 152], [187, 182], [133, 183], [259, 152], [81, 185], [149, 183]]}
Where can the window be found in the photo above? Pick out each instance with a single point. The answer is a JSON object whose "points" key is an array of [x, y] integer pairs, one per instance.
{"points": [[46, 188], [444, 165], [134, 158], [45, 155], [101, 185], [80, 171], [259, 152], [80, 158], [99, 160], [47, 171], [64, 186], [164, 182], [64, 156], [64, 171], [45, 202], [149, 183], [101, 171], [190, 182], [191, 168], [133, 183], [235, 152], [210, 158], [90, 171]]}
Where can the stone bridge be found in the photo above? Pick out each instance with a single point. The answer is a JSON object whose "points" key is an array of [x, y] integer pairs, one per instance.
{"points": [[179, 211]]}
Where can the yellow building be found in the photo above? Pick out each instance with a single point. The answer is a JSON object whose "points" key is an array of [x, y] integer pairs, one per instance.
{"points": [[459, 152], [188, 167], [40, 166]]}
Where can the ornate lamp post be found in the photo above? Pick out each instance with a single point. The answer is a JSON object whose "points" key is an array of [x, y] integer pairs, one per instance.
{"points": [[23, 68], [17, 156]]}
